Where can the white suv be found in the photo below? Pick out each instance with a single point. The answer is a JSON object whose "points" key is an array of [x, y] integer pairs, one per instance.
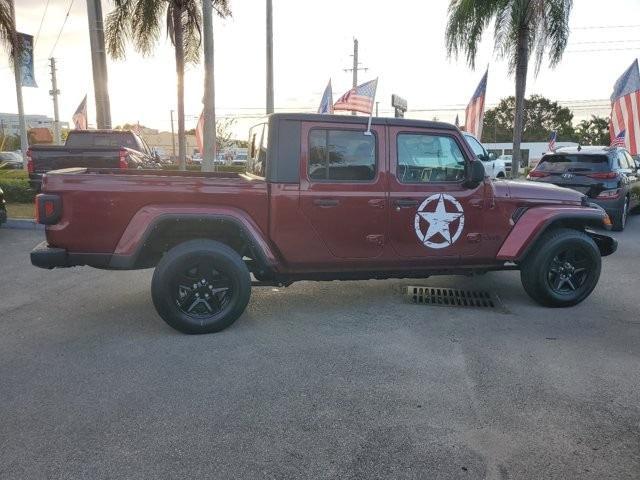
{"points": [[493, 167]]}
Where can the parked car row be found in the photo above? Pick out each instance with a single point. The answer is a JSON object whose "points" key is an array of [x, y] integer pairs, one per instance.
{"points": [[11, 160], [608, 176]]}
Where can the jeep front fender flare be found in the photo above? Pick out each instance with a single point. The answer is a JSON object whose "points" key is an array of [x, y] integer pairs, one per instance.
{"points": [[144, 222], [535, 221]]}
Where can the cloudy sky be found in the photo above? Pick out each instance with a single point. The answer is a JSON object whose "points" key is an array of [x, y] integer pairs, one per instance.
{"points": [[401, 42]]}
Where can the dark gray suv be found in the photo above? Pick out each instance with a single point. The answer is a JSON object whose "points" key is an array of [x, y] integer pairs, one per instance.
{"points": [[608, 176]]}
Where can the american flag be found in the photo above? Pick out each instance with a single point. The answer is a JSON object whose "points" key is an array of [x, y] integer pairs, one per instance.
{"points": [[475, 110], [326, 104], [552, 141], [625, 109], [619, 141], [358, 99], [80, 116]]}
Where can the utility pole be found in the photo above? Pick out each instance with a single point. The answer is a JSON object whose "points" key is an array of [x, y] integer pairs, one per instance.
{"points": [[209, 127], [99, 64], [356, 66], [269, 57], [173, 139], [24, 142], [54, 92]]}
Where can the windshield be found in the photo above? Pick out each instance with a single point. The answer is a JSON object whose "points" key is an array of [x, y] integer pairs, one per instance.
{"points": [[573, 163], [477, 148]]}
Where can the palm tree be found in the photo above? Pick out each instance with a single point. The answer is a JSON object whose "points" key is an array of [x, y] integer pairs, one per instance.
{"points": [[522, 28], [140, 22], [8, 36]]}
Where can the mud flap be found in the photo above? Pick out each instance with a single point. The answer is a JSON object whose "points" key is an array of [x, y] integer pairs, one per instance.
{"points": [[606, 245]]}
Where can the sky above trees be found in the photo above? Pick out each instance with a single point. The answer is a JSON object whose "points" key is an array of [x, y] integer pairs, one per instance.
{"points": [[402, 43]]}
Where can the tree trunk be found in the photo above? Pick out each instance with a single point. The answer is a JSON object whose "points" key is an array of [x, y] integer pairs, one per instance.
{"points": [[179, 41], [522, 62]]}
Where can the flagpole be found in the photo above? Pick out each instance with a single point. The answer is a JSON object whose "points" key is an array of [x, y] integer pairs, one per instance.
{"points": [[368, 132]]}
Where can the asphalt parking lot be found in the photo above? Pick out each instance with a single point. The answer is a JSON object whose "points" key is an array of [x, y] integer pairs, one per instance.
{"points": [[318, 380]]}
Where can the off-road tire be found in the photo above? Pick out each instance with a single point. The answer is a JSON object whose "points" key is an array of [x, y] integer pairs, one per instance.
{"points": [[173, 269], [620, 220], [538, 270]]}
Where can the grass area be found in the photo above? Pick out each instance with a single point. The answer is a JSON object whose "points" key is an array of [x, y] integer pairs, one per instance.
{"points": [[13, 173], [20, 210]]}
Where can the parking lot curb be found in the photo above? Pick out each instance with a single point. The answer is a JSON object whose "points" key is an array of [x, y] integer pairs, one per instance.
{"points": [[22, 224]]}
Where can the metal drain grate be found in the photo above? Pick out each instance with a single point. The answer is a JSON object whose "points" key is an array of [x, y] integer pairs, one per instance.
{"points": [[452, 297]]}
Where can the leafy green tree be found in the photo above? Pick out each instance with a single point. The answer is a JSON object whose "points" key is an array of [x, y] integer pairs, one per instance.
{"points": [[541, 117], [8, 37], [594, 131], [522, 28], [140, 22]]}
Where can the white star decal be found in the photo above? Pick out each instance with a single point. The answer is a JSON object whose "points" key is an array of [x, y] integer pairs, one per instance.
{"points": [[439, 221]]}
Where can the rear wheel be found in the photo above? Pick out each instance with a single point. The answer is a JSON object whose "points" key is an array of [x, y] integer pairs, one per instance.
{"points": [[200, 286], [620, 220], [563, 269]]}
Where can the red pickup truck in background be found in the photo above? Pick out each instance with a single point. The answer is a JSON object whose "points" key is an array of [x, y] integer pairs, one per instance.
{"points": [[321, 200]]}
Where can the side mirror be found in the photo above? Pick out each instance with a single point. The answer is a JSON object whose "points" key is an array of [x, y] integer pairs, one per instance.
{"points": [[492, 156], [475, 175]]}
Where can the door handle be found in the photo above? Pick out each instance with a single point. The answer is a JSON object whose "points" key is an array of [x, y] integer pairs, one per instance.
{"points": [[405, 203], [326, 202], [376, 202]]}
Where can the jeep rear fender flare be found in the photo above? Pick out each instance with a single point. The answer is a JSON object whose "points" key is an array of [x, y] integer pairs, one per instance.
{"points": [[143, 224], [536, 220]]}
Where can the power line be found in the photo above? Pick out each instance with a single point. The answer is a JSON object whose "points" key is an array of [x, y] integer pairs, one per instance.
{"points": [[593, 27], [61, 28], [605, 50], [44, 14], [604, 42]]}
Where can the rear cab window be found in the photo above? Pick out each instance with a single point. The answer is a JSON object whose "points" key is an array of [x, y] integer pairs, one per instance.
{"points": [[257, 153], [104, 139], [575, 163], [337, 155]]}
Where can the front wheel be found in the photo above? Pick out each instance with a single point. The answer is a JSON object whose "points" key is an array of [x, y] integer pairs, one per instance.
{"points": [[563, 269], [200, 286]]}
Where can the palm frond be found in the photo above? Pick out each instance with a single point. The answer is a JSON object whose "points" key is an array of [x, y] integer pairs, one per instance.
{"points": [[146, 26], [8, 37], [192, 30], [118, 28], [466, 23], [222, 8]]}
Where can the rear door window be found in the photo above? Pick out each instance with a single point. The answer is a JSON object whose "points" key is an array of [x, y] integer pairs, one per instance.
{"points": [[341, 155], [574, 163]]}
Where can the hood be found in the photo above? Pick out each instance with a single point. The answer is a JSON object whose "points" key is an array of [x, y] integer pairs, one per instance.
{"points": [[544, 192]]}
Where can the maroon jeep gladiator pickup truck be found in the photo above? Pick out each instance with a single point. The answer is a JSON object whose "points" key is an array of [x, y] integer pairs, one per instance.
{"points": [[321, 200]]}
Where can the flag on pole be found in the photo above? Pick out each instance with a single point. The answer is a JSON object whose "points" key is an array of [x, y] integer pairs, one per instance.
{"points": [[359, 99], [199, 135], [619, 140], [475, 110], [552, 141], [326, 104], [80, 116], [25, 59], [625, 109]]}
